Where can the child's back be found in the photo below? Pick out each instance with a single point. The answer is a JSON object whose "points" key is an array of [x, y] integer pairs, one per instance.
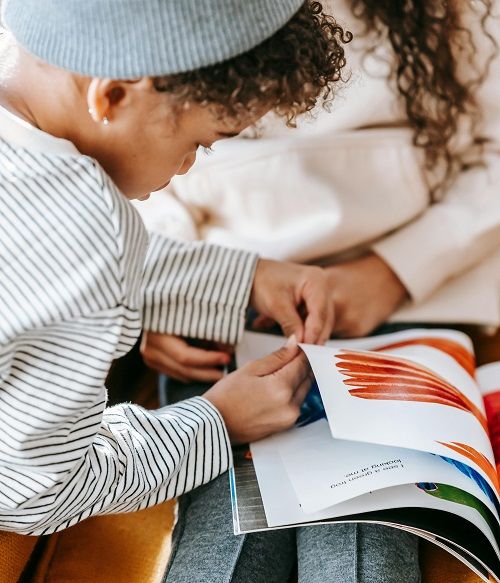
{"points": [[82, 131]]}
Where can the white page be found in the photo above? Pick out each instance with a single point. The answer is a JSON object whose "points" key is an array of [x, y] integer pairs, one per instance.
{"points": [[414, 425], [283, 509], [278, 490], [424, 426], [324, 471], [255, 345]]}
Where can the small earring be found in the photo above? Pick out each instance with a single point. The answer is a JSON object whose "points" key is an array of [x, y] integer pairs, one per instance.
{"points": [[105, 121], [91, 111]]}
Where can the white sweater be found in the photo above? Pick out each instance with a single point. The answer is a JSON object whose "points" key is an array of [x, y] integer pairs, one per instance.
{"points": [[349, 181]]}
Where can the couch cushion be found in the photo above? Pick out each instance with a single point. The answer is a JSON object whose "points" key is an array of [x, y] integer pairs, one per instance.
{"points": [[438, 566], [135, 547], [15, 551], [125, 547]]}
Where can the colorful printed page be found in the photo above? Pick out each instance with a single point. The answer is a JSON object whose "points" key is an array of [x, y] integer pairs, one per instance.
{"points": [[282, 507], [418, 393], [488, 378], [324, 471], [414, 389]]}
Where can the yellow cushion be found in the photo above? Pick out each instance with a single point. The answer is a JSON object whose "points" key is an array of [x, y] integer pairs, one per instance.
{"points": [[135, 547], [128, 547], [15, 550], [438, 566]]}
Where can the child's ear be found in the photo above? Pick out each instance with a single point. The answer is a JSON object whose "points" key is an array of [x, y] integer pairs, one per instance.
{"points": [[104, 95]]}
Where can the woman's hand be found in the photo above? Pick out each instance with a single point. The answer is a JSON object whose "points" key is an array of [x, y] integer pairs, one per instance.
{"points": [[364, 293], [296, 297], [264, 396], [174, 357]]}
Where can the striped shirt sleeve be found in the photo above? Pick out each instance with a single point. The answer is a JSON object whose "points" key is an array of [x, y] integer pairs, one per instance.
{"points": [[72, 254], [196, 290], [65, 457]]}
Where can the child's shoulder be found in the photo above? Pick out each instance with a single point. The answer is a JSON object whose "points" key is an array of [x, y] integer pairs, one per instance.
{"points": [[69, 193], [63, 227], [46, 174]]}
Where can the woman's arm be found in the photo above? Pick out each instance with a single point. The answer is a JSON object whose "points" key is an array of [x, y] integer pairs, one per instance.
{"points": [[458, 232]]}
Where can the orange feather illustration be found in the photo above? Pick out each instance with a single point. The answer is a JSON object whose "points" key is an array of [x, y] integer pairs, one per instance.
{"points": [[371, 375], [477, 457], [450, 347]]}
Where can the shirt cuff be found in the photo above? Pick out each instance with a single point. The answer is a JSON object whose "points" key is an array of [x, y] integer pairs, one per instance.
{"points": [[197, 290]]}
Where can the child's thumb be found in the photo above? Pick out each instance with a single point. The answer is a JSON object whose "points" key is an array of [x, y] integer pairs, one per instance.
{"points": [[276, 360]]}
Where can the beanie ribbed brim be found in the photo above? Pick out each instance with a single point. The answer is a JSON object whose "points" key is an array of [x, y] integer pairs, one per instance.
{"points": [[127, 39]]}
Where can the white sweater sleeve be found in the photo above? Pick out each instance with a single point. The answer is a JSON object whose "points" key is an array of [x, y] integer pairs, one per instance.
{"points": [[453, 235]]}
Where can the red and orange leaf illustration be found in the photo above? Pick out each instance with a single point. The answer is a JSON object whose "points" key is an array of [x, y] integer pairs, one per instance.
{"points": [[482, 461], [450, 347], [385, 377]]}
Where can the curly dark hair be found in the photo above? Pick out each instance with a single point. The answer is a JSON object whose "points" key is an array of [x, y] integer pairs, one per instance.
{"points": [[428, 37], [288, 72]]}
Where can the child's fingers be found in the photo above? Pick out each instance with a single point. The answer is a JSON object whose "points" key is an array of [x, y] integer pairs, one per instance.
{"points": [[199, 357], [301, 392], [275, 361], [294, 372], [263, 323], [163, 363], [190, 356], [203, 375]]}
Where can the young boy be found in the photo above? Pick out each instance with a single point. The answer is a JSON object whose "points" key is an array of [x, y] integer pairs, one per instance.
{"points": [[104, 101]]}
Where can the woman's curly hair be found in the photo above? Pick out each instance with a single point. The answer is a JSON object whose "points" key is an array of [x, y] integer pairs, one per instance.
{"points": [[288, 72], [428, 38]]}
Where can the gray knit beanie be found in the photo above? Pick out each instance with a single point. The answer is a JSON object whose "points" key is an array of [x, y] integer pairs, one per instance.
{"points": [[127, 39]]}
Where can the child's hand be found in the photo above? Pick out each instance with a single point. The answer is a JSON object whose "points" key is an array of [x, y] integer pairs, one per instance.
{"points": [[174, 357], [264, 396], [364, 293], [297, 297]]}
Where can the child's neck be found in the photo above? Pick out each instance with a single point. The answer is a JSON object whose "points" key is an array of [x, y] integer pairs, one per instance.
{"points": [[35, 92], [9, 97]]}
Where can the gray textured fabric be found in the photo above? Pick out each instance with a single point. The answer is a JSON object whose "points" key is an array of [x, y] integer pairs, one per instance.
{"points": [[357, 553], [126, 39], [205, 549]]}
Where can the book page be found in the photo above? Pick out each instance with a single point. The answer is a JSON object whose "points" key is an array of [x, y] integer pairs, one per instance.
{"points": [[325, 471], [431, 403], [271, 503], [412, 396], [488, 378], [282, 507]]}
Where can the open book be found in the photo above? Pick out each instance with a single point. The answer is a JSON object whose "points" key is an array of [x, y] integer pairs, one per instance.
{"points": [[397, 429]]}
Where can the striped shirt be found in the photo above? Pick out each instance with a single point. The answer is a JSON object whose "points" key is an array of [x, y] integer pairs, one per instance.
{"points": [[78, 282]]}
